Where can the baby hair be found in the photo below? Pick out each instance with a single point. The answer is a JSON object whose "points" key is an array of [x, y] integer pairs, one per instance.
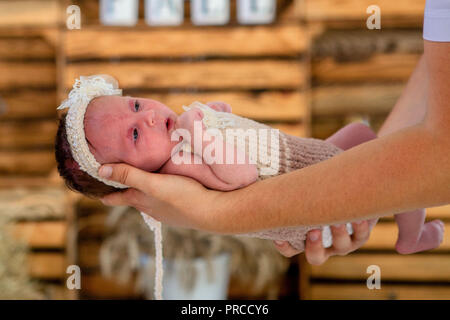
{"points": [[70, 171]]}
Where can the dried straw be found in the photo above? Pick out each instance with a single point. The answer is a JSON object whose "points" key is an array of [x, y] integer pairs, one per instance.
{"points": [[15, 282], [25, 204]]}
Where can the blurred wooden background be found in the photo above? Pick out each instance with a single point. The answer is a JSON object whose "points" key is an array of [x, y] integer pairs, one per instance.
{"points": [[312, 71]]}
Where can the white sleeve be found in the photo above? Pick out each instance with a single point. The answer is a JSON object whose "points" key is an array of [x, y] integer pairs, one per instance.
{"points": [[436, 23]]}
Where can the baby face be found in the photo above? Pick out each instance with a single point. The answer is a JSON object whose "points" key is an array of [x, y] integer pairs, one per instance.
{"points": [[132, 130]]}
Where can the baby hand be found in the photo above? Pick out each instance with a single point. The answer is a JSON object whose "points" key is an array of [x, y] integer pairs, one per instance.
{"points": [[187, 121], [219, 106]]}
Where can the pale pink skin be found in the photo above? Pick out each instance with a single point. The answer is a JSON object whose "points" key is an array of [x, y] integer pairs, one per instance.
{"points": [[110, 122]]}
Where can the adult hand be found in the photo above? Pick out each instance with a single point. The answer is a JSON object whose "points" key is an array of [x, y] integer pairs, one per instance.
{"points": [[172, 199], [343, 243], [183, 202]]}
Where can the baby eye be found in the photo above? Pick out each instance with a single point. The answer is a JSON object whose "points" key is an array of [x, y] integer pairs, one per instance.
{"points": [[135, 135], [136, 106]]}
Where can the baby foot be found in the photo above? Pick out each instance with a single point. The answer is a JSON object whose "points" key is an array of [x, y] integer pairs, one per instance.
{"points": [[431, 236]]}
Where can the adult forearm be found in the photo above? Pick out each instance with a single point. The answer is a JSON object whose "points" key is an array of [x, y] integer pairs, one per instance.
{"points": [[407, 170], [410, 108], [402, 171], [438, 63]]}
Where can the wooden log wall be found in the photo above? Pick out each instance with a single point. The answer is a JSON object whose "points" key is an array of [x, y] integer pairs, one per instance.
{"points": [[359, 74], [262, 71]]}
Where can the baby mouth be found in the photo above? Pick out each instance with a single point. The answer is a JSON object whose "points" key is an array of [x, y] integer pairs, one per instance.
{"points": [[169, 124]]}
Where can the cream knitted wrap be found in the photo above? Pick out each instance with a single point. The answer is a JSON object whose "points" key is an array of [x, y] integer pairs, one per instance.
{"points": [[291, 152]]}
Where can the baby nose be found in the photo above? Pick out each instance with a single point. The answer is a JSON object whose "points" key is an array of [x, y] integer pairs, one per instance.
{"points": [[150, 118]]}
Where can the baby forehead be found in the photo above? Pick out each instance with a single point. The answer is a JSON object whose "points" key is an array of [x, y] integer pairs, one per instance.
{"points": [[106, 106], [103, 121], [107, 101]]}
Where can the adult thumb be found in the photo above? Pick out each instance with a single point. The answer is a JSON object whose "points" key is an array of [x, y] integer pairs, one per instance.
{"points": [[125, 174]]}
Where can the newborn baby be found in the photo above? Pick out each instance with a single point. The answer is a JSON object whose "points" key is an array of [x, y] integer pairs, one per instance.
{"points": [[145, 133]]}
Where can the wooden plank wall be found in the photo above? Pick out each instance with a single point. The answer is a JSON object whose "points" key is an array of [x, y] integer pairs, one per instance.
{"points": [[92, 230], [359, 74], [318, 54], [262, 71], [27, 87], [352, 13], [51, 243], [418, 276], [28, 40]]}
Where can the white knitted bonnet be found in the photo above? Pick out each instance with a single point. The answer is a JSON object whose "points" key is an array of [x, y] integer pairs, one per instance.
{"points": [[84, 90]]}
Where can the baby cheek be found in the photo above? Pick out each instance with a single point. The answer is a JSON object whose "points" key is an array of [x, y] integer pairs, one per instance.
{"points": [[149, 158], [140, 161], [161, 149]]}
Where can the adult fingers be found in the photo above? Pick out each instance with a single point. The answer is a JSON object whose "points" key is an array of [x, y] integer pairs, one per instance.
{"points": [[342, 242], [128, 175], [285, 248], [361, 232], [315, 253], [130, 197], [372, 223]]}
